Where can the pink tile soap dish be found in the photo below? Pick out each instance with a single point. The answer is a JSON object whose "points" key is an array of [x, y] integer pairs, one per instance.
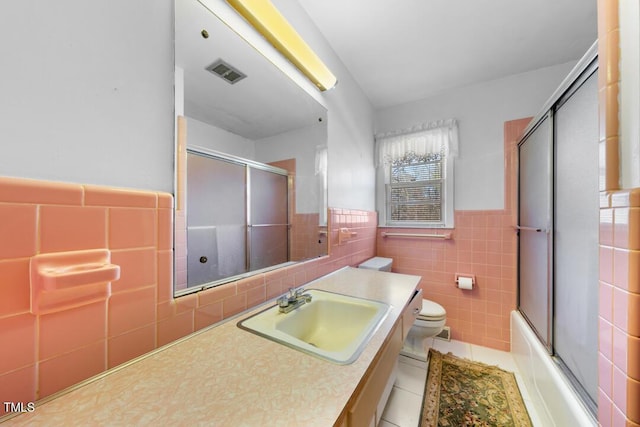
{"points": [[64, 280]]}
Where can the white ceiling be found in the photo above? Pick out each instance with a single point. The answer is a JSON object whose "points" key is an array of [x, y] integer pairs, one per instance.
{"points": [[264, 104], [404, 50]]}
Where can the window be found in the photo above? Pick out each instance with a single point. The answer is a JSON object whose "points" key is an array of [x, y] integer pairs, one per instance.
{"points": [[418, 176], [415, 191]]}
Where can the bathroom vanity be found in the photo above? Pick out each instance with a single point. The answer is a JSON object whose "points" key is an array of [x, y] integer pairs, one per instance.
{"points": [[224, 375]]}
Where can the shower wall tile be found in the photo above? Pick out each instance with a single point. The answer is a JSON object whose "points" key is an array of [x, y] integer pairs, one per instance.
{"points": [[633, 325], [633, 358], [620, 300], [620, 233], [621, 309], [633, 397], [605, 341], [605, 409], [626, 229], [619, 389], [606, 301], [605, 375], [623, 271], [606, 264], [620, 348]]}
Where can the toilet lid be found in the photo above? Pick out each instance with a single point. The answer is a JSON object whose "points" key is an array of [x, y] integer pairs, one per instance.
{"points": [[432, 310]]}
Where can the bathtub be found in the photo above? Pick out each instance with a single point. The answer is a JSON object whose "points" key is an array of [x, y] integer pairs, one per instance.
{"points": [[555, 401]]}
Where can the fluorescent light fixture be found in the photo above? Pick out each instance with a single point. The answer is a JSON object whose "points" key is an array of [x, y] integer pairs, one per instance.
{"points": [[265, 18]]}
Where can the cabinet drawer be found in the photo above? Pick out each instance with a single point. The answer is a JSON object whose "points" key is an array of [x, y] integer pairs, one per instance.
{"points": [[363, 412], [411, 312]]}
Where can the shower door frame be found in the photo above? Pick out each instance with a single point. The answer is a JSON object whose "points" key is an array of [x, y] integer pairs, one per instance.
{"points": [[545, 336], [248, 165], [580, 74]]}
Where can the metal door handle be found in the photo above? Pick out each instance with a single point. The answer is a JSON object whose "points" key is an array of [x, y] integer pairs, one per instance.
{"points": [[537, 230]]}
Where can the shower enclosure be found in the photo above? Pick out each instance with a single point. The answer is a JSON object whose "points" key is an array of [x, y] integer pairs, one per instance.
{"points": [[237, 217], [558, 216]]}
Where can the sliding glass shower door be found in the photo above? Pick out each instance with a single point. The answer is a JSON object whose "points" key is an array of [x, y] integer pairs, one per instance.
{"points": [[576, 219], [534, 222], [237, 217], [558, 231], [268, 227], [216, 225]]}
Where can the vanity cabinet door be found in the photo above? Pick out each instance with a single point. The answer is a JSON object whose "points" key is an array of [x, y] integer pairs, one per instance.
{"points": [[363, 411], [411, 313]]}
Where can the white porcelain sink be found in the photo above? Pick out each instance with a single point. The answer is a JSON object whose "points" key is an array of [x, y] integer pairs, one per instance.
{"points": [[332, 326]]}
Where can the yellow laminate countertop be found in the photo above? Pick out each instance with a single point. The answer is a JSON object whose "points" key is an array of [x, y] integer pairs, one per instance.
{"points": [[225, 376]]}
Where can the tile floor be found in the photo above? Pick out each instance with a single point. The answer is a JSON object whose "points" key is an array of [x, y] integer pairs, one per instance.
{"points": [[405, 402]]}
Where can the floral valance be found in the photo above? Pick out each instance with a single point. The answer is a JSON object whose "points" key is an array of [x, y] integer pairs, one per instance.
{"points": [[434, 137]]}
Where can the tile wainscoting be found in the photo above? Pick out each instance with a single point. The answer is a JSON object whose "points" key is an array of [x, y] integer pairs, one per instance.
{"points": [[54, 350]]}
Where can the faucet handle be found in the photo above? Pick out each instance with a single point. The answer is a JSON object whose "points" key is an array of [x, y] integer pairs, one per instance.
{"points": [[283, 301]]}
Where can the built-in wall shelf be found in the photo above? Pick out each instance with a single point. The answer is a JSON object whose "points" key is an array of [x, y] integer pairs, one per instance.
{"points": [[64, 280]]}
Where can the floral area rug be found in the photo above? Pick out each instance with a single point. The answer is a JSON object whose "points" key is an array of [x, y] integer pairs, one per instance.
{"points": [[460, 392]]}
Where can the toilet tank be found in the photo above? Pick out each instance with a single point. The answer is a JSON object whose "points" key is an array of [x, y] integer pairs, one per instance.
{"points": [[377, 263]]}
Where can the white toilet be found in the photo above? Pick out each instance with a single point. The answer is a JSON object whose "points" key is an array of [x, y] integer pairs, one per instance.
{"points": [[428, 324]]}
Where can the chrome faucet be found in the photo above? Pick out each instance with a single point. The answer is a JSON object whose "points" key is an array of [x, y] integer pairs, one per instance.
{"points": [[292, 300]]}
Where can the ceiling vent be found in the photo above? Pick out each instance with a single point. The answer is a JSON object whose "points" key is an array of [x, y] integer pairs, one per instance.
{"points": [[226, 71]]}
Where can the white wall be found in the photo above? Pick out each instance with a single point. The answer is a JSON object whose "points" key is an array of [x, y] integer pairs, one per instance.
{"points": [[204, 135], [87, 92], [299, 144], [88, 96], [481, 110], [350, 121]]}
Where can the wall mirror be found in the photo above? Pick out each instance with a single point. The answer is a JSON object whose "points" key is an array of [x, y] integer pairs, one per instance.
{"points": [[251, 162]]}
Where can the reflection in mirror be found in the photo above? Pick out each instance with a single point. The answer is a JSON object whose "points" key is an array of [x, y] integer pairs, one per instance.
{"points": [[251, 166]]}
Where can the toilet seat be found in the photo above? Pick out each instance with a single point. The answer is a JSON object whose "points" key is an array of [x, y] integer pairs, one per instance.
{"points": [[431, 311]]}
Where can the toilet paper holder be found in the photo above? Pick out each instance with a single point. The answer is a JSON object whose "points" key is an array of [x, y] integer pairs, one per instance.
{"points": [[459, 276]]}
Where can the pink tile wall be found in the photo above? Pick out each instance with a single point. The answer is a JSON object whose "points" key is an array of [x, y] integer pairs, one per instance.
{"points": [[51, 351], [308, 239], [619, 312], [619, 320], [484, 245], [42, 354]]}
